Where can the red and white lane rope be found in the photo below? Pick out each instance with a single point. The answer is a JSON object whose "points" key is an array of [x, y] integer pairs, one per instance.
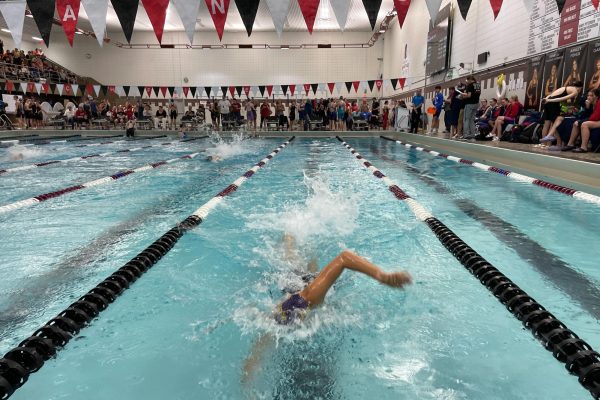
{"points": [[52, 162], [513, 175], [203, 211], [97, 182]]}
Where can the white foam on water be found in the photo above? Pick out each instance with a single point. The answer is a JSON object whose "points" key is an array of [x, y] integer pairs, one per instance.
{"points": [[223, 150], [19, 152]]}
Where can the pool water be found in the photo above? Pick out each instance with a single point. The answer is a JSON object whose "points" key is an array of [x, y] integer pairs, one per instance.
{"points": [[186, 328]]}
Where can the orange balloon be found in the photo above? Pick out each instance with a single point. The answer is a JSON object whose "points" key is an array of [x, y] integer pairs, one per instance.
{"points": [[431, 110]]}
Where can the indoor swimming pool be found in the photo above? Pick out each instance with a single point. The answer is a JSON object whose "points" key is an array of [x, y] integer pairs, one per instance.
{"points": [[185, 329]]}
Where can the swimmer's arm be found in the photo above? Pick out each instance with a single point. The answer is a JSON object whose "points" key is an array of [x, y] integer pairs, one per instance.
{"points": [[255, 357]]}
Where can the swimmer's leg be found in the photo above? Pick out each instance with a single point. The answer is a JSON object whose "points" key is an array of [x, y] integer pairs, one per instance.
{"points": [[317, 290]]}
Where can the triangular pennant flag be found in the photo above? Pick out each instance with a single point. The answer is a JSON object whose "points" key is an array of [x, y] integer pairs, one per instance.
{"points": [[463, 6], [561, 5], [126, 11], [402, 9], [14, 15], [69, 90], [97, 89], [149, 91], [188, 12], [60, 87], [238, 90], [331, 86], [279, 11], [141, 90], [232, 91], [496, 5], [348, 86], [126, 90], [340, 9], [394, 83], [292, 89], [402, 81], [371, 85], [372, 8], [309, 10], [356, 85], [23, 87], [253, 90], [112, 90], [247, 91], [96, 12], [119, 91], [284, 89], [338, 87], [594, 2], [186, 91], [247, 10], [104, 90], [81, 89], [215, 91], [269, 90], [46, 87], [378, 84], [89, 89], [52, 88], [43, 15], [306, 88], [218, 11], [171, 90], [433, 6], [323, 87], [135, 92], [193, 91], [157, 12], [163, 90], [223, 90], [38, 88], [10, 87], [68, 13], [314, 87], [261, 89], [207, 90], [31, 87]]}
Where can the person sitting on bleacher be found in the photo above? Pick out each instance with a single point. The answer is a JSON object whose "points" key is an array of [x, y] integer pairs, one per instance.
{"points": [[189, 114], [566, 111], [160, 117], [81, 116], [69, 117], [582, 116], [593, 122], [510, 116], [486, 116]]}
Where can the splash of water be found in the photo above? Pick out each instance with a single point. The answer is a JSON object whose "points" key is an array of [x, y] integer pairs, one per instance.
{"points": [[223, 150], [19, 152]]}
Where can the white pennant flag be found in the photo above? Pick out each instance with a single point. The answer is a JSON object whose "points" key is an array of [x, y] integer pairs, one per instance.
{"points": [[134, 92], [24, 87], [97, 90], [60, 87], [96, 12], [215, 91], [279, 11], [38, 87], [529, 5], [323, 88], [188, 12], [338, 87], [434, 7], [199, 91], [14, 15], [120, 91], [340, 9]]}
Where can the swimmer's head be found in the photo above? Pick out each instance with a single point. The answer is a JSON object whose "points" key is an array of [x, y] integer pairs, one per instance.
{"points": [[213, 158]]}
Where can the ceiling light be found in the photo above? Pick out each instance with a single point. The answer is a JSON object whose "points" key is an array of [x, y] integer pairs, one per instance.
{"points": [[78, 33], [29, 15], [285, 47], [5, 30], [394, 13], [382, 31], [36, 38]]}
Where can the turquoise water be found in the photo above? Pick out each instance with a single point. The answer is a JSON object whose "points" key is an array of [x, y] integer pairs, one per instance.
{"points": [[185, 329]]}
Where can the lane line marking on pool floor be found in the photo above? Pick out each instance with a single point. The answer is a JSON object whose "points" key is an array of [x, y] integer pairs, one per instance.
{"points": [[53, 162], [121, 141], [513, 175], [42, 141], [19, 363], [51, 195], [579, 357]]}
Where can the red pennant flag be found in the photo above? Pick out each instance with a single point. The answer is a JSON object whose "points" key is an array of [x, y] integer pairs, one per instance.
{"points": [[496, 5], [68, 90], [157, 12], [596, 3], [149, 91], [331, 86], [356, 84], [68, 12], [402, 81], [379, 83], [269, 90], [163, 90], [292, 89], [307, 88], [232, 90], [247, 91], [10, 87], [31, 87], [309, 11], [186, 90], [46, 87], [218, 11], [402, 9]]}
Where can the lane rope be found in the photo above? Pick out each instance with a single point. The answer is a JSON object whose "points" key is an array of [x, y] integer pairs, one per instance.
{"points": [[513, 175], [120, 141], [53, 162], [30, 355], [578, 356], [97, 182]]}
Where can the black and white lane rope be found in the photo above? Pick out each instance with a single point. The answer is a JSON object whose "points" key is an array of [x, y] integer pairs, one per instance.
{"points": [[579, 357], [30, 355], [86, 157]]}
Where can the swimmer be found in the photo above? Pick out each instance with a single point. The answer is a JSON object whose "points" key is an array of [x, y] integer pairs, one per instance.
{"points": [[295, 307], [214, 158], [17, 157]]}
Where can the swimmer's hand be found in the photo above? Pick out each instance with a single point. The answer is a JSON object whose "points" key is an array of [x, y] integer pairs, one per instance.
{"points": [[396, 279]]}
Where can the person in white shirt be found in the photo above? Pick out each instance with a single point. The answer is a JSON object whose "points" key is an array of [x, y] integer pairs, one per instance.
{"points": [[224, 108], [69, 116]]}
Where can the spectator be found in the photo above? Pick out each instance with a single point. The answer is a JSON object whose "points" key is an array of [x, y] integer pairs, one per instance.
{"points": [[69, 117], [555, 108], [471, 97], [160, 118], [173, 115], [265, 113], [510, 116], [417, 102], [438, 103], [130, 128], [81, 117], [386, 115], [236, 109], [189, 114], [224, 107], [585, 122]]}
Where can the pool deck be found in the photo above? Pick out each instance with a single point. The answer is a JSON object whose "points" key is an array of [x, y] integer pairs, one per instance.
{"points": [[579, 171]]}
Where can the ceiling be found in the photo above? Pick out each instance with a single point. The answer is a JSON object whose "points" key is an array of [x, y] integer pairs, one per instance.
{"points": [[325, 21]]}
